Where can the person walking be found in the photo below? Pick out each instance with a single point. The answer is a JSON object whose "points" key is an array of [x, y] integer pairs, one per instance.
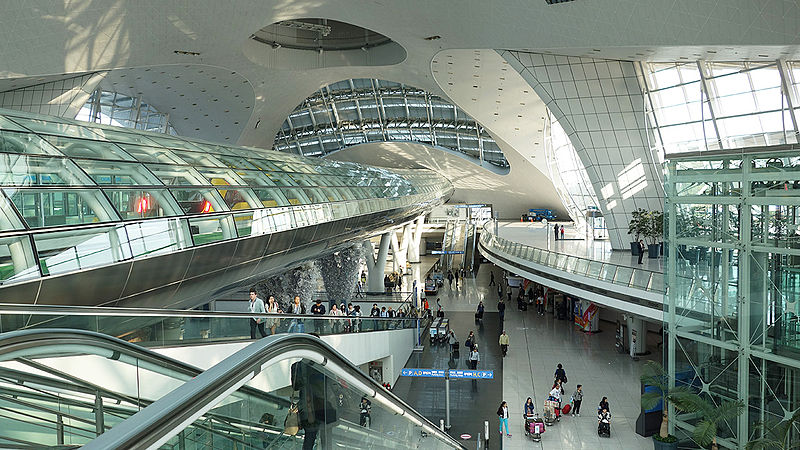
{"points": [[474, 357], [470, 341], [502, 413], [501, 308], [504, 343], [562, 232], [641, 250], [491, 279], [456, 276], [577, 398], [256, 306], [479, 312], [450, 279], [453, 341], [555, 230], [560, 375], [603, 405]]}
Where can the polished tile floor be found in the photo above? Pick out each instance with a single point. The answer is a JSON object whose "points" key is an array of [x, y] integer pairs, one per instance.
{"points": [[536, 235], [538, 343]]}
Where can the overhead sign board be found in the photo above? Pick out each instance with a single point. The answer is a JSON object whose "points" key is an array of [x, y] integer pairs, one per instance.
{"points": [[447, 252], [440, 373]]}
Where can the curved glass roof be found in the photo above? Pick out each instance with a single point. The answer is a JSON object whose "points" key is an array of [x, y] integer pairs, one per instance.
{"points": [[356, 111], [75, 195]]}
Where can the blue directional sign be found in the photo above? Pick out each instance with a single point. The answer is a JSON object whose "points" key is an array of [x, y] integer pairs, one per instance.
{"points": [[473, 374], [447, 252], [438, 373], [427, 373]]}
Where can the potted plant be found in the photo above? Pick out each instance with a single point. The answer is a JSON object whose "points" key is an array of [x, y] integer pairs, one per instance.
{"points": [[653, 374], [654, 232], [636, 226], [711, 416], [778, 435]]}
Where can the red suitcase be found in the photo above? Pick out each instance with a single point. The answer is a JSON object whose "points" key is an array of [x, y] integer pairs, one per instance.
{"points": [[566, 408]]}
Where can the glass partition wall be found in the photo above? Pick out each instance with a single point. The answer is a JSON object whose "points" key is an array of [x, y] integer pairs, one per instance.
{"points": [[733, 277], [77, 195]]}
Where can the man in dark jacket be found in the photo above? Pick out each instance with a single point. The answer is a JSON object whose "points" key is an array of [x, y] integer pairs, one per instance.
{"points": [[501, 308]]}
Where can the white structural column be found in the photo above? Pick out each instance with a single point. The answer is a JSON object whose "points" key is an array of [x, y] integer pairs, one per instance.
{"points": [[637, 335], [416, 238], [376, 265], [400, 248]]}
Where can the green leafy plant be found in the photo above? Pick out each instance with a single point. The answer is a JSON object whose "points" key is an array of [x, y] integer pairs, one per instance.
{"points": [[653, 374], [778, 436], [638, 223], [654, 226], [711, 416]]}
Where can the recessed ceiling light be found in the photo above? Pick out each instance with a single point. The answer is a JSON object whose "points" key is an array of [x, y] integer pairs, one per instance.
{"points": [[433, 38]]}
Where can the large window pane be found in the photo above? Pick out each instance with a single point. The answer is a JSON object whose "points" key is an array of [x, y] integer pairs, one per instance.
{"points": [[199, 201], [117, 135], [24, 170], [58, 129], [134, 204], [239, 199], [17, 262], [198, 159], [25, 143], [83, 148], [221, 177], [68, 251], [118, 173], [151, 154], [271, 197], [172, 175], [8, 218], [53, 207]]}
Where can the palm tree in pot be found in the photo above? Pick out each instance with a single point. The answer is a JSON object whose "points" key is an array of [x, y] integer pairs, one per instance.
{"points": [[712, 416], [653, 374], [783, 435]]}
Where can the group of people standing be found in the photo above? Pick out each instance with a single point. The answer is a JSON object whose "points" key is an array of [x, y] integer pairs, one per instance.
{"points": [[455, 275], [350, 314]]}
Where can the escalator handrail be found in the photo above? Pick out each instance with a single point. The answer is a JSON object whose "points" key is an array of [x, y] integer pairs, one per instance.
{"points": [[167, 417], [49, 342]]}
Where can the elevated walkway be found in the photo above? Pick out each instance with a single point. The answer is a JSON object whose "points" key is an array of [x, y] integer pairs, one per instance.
{"points": [[587, 270]]}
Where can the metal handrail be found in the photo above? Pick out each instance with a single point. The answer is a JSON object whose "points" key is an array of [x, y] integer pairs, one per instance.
{"points": [[47, 310], [487, 237], [177, 410]]}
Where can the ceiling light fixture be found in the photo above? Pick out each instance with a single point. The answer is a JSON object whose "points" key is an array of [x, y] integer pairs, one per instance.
{"points": [[433, 38], [185, 52]]}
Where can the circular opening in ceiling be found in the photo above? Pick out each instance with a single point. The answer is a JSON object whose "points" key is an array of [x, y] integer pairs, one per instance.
{"points": [[319, 34]]}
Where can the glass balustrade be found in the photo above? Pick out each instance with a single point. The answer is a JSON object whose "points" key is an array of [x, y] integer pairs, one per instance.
{"points": [[646, 280]]}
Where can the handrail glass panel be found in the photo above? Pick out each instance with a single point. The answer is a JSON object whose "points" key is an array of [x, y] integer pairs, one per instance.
{"points": [[155, 237], [73, 250], [26, 170], [17, 262], [206, 230]]}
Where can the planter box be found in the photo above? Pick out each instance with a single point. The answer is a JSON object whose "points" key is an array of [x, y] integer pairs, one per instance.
{"points": [[658, 445], [635, 248], [653, 250]]}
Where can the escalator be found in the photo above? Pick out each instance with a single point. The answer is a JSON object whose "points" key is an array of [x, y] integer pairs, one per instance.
{"points": [[242, 402]]}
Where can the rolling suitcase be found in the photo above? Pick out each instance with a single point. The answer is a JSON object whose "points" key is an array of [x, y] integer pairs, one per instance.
{"points": [[565, 410]]}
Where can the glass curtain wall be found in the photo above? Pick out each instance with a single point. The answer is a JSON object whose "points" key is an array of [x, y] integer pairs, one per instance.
{"points": [[570, 177], [75, 196], [733, 271], [121, 110], [703, 105], [356, 111]]}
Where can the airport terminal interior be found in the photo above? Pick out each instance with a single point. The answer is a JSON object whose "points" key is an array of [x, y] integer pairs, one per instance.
{"points": [[548, 224]]}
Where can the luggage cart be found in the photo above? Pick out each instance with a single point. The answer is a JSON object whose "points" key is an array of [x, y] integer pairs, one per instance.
{"points": [[534, 427], [442, 331], [550, 416], [433, 330]]}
